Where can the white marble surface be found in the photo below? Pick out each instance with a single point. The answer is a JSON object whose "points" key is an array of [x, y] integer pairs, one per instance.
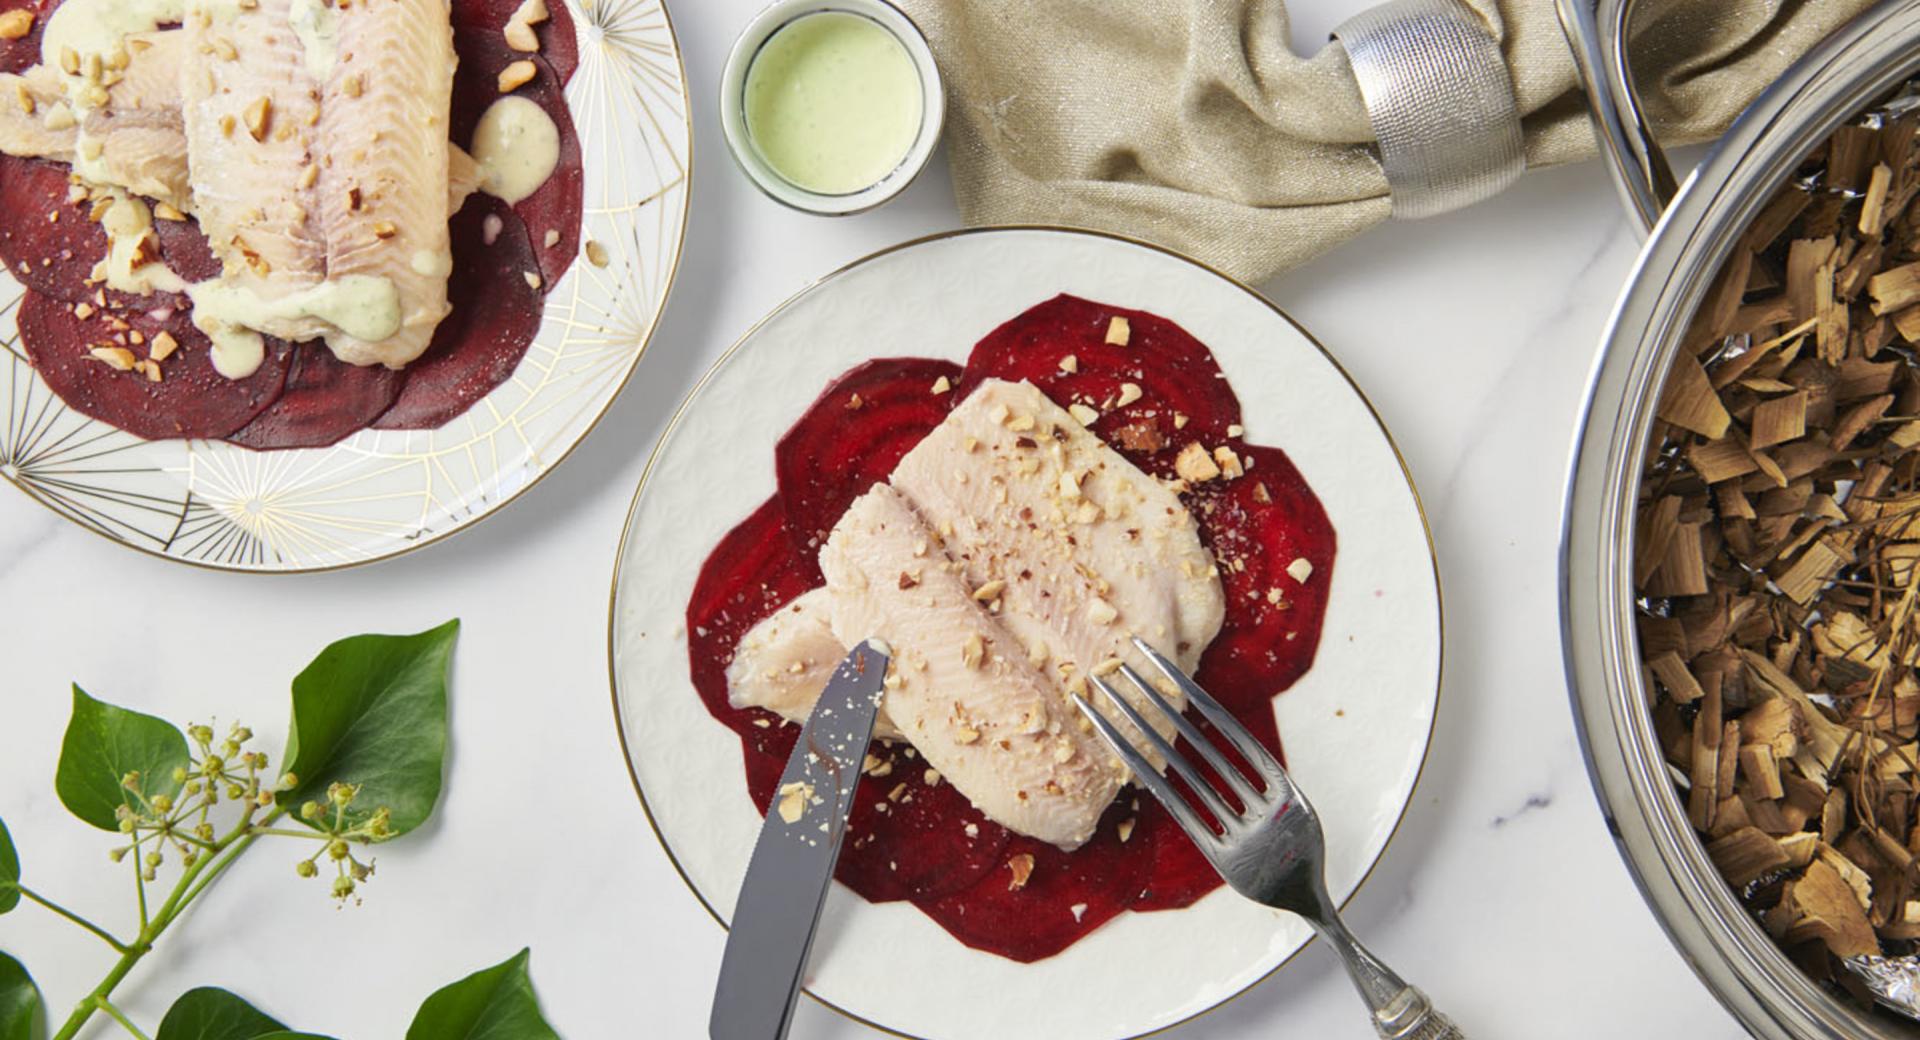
{"points": [[1502, 895]]}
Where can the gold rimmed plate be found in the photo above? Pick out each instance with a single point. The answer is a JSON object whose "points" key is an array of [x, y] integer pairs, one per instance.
{"points": [[1356, 726], [380, 493]]}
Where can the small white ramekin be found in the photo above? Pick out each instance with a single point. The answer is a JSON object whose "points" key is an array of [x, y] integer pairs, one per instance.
{"points": [[733, 120]]}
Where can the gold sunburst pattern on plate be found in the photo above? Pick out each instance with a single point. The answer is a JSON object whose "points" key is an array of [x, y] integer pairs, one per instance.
{"points": [[380, 493]]}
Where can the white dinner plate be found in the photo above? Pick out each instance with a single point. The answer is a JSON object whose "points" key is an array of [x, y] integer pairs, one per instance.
{"points": [[381, 493], [1356, 727]]}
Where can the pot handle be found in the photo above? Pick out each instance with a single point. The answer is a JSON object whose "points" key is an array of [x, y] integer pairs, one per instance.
{"points": [[1597, 32]]}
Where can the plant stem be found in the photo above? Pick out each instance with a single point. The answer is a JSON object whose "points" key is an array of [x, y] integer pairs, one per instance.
{"points": [[140, 881], [193, 881], [118, 1016], [118, 946]]}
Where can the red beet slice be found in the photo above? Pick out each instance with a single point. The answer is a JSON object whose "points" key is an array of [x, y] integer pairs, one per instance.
{"points": [[1038, 919], [191, 401], [853, 436], [17, 56], [559, 43], [325, 400], [914, 845], [495, 316], [1257, 526], [556, 205], [751, 573], [56, 257], [1183, 395]]}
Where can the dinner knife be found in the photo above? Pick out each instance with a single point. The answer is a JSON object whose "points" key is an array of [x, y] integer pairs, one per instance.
{"points": [[792, 865]]}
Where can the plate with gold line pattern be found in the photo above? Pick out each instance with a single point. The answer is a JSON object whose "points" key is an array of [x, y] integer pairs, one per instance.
{"points": [[380, 493]]}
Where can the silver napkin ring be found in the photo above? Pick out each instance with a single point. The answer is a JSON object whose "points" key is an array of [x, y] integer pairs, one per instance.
{"points": [[1441, 102]]}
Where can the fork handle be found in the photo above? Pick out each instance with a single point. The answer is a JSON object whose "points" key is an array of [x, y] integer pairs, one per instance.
{"points": [[1410, 1016]]}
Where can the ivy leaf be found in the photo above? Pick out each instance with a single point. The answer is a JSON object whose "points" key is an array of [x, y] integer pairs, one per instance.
{"points": [[372, 711], [496, 1003], [211, 1013], [104, 744], [19, 1001], [9, 871]]}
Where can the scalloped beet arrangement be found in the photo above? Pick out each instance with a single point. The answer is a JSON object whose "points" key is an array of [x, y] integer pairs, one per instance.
{"points": [[506, 259], [926, 843]]}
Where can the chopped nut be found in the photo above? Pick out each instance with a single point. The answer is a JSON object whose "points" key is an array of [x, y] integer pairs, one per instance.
{"points": [[491, 227], [1300, 569], [165, 211], [148, 369], [973, 651], [1229, 463], [23, 97], [69, 61], [384, 229], [309, 176], [942, 385], [793, 800], [596, 253], [1082, 414], [1100, 612], [1022, 868], [353, 85], [990, 591], [516, 75], [1070, 364], [1236, 430], [1194, 464], [1179, 421], [15, 23], [519, 28], [223, 49], [83, 310], [1119, 332], [353, 199], [226, 125], [163, 346], [258, 116], [532, 279], [120, 359], [1129, 393]]}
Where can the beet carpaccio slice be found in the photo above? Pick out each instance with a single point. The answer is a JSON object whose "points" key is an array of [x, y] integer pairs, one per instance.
{"points": [[496, 314], [553, 210], [325, 400], [190, 400], [1178, 394], [853, 435], [559, 44], [996, 891]]}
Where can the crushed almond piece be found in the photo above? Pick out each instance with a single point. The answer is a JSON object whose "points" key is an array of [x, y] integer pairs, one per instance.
{"points": [[1070, 364], [226, 125], [353, 85], [163, 346], [942, 385], [516, 75], [69, 61], [519, 28], [310, 175], [164, 211], [1106, 667], [1100, 612], [384, 229], [148, 369], [1179, 421], [1119, 331], [23, 96], [793, 800], [596, 253], [83, 310], [1300, 569], [1228, 462], [490, 229], [1261, 494], [533, 280], [551, 238], [973, 651], [1194, 464], [1129, 393], [120, 359], [1125, 829], [1022, 867], [258, 116], [1082, 414], [990, 591], [932, 777], [15, 24]]}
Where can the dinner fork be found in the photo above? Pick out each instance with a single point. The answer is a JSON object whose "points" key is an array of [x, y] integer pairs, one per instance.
{"points": [[1269, 848]]}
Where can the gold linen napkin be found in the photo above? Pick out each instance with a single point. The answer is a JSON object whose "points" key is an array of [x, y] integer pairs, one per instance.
{"points": [[1192, 124]]}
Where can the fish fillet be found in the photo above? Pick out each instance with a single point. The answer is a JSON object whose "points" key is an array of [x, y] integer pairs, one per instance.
{"points": [[383, 197], [782, 663], [960, 689]]}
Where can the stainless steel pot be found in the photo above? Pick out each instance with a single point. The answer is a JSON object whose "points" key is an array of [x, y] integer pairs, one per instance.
{"points": [[1694, 228]]}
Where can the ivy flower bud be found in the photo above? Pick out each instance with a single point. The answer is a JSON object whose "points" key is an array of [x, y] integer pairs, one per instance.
{"points": [[187, 857], [126, 825], [230, 749], [193, 787], [305, 868], [149, 874], [202, 735], [204, 831], [131, 781], [339, 793], [241, 734], [153, 860], [263, 799], [235, 791], [179, 774], [382, 824], [162, 804], [342, 887], [120, 853], [288, 782], [213, 766], [310, 811], [336, 849]]}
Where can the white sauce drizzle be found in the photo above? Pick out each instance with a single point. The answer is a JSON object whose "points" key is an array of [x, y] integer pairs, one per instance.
{"points": [[516, 146], [366, 307], [317, 25], [130, 265]]}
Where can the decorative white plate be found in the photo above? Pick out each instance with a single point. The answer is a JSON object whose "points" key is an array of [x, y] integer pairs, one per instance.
{"points": [[381, 493], [1356, 726]]}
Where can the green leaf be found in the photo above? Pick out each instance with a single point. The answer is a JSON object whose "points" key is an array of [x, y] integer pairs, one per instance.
{"points": [[496, 1003], [211, 1013], [104, 744], [9, 871], [19, 1001], [372, 711]]}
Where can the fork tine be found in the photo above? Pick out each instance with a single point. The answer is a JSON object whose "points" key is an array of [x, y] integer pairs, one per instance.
{"points": [[1176, 762], [1233, 777], [1183, 814], [1228, 726]]}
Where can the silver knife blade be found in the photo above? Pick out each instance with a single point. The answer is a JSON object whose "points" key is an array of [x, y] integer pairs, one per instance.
{"points": [[792, 865]]}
